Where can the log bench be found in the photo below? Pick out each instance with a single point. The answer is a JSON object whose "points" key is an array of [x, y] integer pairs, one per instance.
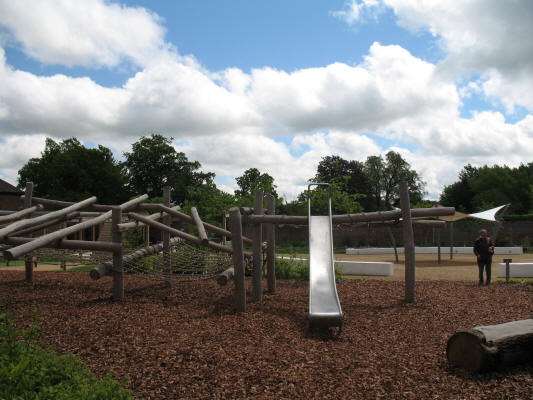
{"points": [[492, 347]]}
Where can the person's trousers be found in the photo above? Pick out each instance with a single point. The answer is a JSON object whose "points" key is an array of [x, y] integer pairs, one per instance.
{"points": [[484, 265]]}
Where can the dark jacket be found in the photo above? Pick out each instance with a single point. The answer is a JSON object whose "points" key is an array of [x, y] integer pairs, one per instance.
{"points": [[482, 246]]}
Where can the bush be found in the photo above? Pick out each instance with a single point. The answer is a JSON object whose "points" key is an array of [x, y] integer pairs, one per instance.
{"points": [[28, 371], [287, 268]]}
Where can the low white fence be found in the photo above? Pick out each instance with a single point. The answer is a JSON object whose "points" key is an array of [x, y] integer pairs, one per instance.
{"points": [[431, 250], [516, 270], [358, 267]]}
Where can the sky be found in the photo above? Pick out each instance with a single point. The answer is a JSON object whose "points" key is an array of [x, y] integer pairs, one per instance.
{"points": [[275, 85]]}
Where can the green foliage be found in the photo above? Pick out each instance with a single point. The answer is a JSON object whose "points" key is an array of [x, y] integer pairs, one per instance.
{"points": [[28, 371], [154, 163], [210, 202], [70, 171], [289, 268], [513, 217], [488, 187], [527, 282], [252, 181]]}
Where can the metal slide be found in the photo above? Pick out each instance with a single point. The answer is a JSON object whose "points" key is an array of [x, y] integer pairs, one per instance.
{"points": [[324, 306]]}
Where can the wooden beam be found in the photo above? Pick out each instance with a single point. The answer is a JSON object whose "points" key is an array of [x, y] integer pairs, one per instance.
{"points": [[67, 244], [165, 236], [408, 243], [381, 216], [18, 225], [128, 226], [194, 239], [238, 259], [53, 236], [19, 214], [271, 245], [118, 266], [258, 250], [199, 225], [27, 204]]}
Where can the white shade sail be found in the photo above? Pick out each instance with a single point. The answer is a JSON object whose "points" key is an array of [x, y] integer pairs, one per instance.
{"points": [[489, 215]]}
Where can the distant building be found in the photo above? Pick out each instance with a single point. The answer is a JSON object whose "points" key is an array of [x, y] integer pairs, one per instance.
{"points": [[9, 196]]}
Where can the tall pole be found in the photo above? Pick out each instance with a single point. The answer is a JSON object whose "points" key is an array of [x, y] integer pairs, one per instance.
{"points": [[409, 243], [166, 237], [257, 250], [451, 240], [28, 264], [238, 259], [271, 245], [118, 270]]}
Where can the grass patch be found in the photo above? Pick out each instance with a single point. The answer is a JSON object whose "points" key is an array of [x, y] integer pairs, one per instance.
{"points": [[12, 263], [28, 371], [519, 281], [287, 268]]}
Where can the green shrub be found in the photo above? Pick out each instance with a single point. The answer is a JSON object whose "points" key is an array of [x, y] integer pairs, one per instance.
{"points": [[28, 371], [287, 268]]}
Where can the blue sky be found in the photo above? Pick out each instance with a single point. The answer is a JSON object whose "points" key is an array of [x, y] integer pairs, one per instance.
{"points": [[275, 85]]}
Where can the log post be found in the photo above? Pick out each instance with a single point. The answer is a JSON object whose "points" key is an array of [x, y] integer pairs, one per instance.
{"points": [[257, 249], [199, 225], [28, 258], [507, 261], [147, 235], [408, 243], [492, 347], [393, 243], [271, 245], [451, 240], [166, 237], [238, 259], [224, 226], [438, 246], [118, 268]]}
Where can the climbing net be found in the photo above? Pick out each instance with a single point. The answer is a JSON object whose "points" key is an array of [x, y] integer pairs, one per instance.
{"points": [[187, 260]]}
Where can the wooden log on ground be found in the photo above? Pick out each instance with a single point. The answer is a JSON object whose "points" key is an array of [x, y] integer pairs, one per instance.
{"points": [[4, 219], [492, 347], [199, 225], [18, 225], [53, 236], [224, 277]]}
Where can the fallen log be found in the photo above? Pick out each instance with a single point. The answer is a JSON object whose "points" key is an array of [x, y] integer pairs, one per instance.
{"points": [[492, 347], [224, 277]]}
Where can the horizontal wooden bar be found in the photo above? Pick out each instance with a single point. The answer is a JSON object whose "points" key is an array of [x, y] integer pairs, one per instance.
{"points": [[16, 215], [70, 244], [44, 240], [128, 226], [18, 225]]}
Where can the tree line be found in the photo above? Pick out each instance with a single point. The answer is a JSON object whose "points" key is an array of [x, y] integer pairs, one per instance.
{"points": [[68, 170]]}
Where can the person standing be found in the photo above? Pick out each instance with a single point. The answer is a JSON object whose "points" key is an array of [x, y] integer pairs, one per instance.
{"points": [[484, 249]]}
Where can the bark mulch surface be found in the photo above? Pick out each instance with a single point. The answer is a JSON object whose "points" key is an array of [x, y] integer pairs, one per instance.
{"points": [[187, 342]]}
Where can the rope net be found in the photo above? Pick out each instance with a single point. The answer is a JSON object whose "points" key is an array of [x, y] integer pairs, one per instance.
{"points": [[188, 261]]}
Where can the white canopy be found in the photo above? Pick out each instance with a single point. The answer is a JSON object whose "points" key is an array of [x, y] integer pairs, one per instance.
{"points": [[489, 215]]}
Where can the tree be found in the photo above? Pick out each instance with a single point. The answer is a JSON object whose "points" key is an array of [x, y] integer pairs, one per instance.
{"points": [[385, 177], [459, 194], [351, 173], [69, 171], [153, 163], [251, 181]]}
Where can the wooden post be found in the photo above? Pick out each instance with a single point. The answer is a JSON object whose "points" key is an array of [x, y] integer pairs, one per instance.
{"points": [[28, 258], [271, 245], [393, 242], [166, 237], [147, 235], [199, 224], [408, 243], [507, 261], [438, 245], [451, 240], [93, 233], [257, 250], [238, 259], [224, 226], [118, 270]]}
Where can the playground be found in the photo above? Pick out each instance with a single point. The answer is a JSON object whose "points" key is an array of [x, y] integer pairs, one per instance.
{"points": [[187, 341], [159, 318]]}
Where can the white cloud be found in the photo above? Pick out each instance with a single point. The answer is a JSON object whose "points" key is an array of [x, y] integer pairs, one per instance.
{"points": [[84, 32], [489, 37], [356, 10], [16, 151]]}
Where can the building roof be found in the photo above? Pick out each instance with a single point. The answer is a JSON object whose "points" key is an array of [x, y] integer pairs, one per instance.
{"points": [[6, 187]]}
